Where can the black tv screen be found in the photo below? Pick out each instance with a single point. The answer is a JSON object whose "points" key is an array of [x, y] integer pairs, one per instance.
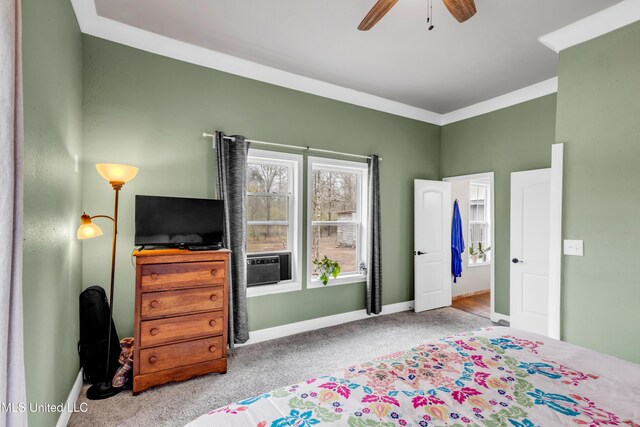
{"points": [[177, 221]]}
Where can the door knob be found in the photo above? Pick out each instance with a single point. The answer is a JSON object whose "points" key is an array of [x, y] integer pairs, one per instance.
{"points": [[419, 253], [516, 261]]}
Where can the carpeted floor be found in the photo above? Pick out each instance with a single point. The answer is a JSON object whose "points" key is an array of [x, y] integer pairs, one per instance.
{"points": [[264, 366]]}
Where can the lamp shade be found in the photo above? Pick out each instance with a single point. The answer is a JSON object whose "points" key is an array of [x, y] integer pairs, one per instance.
{"points": [[114, 172], [87, 229]]}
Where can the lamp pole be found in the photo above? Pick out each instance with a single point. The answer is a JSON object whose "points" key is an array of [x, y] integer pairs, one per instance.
{"points": [[105, 389], [116, 188]]}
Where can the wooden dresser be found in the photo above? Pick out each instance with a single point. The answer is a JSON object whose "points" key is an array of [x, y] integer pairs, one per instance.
{"points": [[181, 315]]}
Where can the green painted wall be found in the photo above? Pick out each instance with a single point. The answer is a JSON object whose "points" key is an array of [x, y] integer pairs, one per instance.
{"points": [[52, 264], [509, 140], [149, 110], [599, 122]]}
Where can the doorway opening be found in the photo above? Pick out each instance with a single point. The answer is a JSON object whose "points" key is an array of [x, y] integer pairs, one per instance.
{"points": [[473, 292]]}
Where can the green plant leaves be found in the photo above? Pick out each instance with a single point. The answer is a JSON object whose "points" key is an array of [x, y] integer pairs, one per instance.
{"points": [[327, 267], [336, 271]]}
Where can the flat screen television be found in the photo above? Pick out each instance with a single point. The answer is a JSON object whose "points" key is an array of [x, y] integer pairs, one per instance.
{"points": [[178, 221]]}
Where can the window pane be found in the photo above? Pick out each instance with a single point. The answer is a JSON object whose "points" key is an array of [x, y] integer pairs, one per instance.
{"points": [[334, 196], [479, 235], [267, 238], [478, 232], [482, 193], [473, 193], [337, 242], [266, 178], [267, 208], [478, 212]]}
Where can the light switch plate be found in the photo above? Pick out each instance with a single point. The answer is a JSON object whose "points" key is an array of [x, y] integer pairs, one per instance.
{"points": [[574, 247]]}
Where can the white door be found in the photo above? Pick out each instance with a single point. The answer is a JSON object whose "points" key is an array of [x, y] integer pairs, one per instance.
{"points": [[432, 244], [530, 217]]}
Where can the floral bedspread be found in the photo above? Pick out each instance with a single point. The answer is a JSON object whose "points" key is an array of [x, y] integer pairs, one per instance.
{"points": [[491, 377]]}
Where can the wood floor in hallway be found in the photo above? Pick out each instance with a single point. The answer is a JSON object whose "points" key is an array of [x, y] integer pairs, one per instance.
{"points": [[479, 304]]}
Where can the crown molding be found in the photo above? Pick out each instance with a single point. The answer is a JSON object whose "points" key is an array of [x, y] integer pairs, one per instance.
{"points": [[95, 25], [619, 15], [610, 19], [507, 100]]}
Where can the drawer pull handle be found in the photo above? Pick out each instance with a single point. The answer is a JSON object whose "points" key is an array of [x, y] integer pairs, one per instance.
{"points": [[155, 304], [213, 297], [212, 323], [153, 359], [154, 331], [154, 276], [212, 349], [213, 272]]}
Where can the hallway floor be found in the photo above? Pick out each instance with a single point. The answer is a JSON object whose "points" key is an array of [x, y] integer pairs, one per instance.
{"points": [[479, 304]]}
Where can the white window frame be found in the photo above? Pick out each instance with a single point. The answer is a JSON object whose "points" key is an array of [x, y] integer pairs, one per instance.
{"points": [[295, 164], [362, 170], [487, 221]]}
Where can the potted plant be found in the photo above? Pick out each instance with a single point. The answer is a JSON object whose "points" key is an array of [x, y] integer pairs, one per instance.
{"points": [[325, 268], [473, 254], [483, 252]]}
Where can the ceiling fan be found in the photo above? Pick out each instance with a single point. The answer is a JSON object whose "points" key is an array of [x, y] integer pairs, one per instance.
{"points": [[460, 9]]}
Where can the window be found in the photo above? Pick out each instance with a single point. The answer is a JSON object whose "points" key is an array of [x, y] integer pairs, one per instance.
{"points": [[479, 242], [337, 200], [274, 205]]}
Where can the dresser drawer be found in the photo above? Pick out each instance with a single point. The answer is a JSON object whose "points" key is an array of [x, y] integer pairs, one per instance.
{"points": [[177, 355], [185, 301], [161, 331], [181, 275]]}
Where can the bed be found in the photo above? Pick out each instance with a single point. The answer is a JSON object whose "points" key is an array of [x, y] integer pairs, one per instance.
{"points": [[494, 377]]}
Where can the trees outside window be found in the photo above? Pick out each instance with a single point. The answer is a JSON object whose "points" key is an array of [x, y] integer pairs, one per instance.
{"points": [[337, 212]]}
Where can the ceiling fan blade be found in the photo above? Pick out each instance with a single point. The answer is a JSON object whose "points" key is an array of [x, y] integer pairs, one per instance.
{"points": [[461, 9], [376, 13]]}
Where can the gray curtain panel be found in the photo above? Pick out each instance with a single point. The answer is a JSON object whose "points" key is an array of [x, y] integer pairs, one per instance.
{"points": [[12, 382], [231, 162], [374, 258]]}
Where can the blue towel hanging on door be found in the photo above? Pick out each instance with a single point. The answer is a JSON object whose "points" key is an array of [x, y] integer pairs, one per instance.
{"points": [[457, 243]]}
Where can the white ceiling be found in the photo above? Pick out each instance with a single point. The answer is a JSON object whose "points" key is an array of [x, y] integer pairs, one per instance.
{"points": [[453, 66]]}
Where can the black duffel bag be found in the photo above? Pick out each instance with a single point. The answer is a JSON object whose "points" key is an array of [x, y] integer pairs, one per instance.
{"points": [[94, 336]]}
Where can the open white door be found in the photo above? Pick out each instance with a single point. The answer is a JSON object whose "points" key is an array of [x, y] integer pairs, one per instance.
{"points": [[432, 244], [530, 217]]}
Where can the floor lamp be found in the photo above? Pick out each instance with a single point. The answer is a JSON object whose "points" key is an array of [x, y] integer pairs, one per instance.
{"points": [[117, 176]]}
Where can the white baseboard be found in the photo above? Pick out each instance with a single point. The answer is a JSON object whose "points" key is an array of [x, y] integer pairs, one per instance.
{"points": [[321, 322], [65, 415], [496, 317]]}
